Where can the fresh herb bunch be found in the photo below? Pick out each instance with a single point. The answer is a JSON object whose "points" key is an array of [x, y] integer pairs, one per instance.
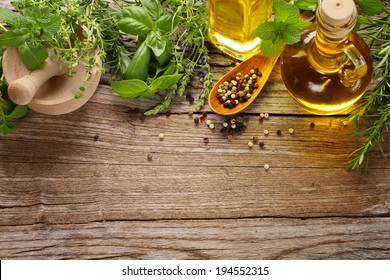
{"points": [[68, 27], [171, 48], [375, 108]]}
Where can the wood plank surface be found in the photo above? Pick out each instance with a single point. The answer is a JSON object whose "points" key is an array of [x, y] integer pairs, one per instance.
{"points": [[98, 183]]}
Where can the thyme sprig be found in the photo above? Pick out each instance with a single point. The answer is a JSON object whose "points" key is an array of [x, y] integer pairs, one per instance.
{"points": [[375, 109], [190, 53]]}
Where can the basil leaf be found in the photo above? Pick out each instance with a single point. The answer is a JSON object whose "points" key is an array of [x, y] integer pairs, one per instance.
{"points": [[13, 19], [153, 7], [166, 55], [139, 65], [129, 88], [156, 42], [32, 55], [167, 23], [371, 7], [135, 20], [164, 82]]}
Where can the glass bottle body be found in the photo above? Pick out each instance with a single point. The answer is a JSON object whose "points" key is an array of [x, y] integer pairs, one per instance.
{"points": [[329, 69], [232, 22]]}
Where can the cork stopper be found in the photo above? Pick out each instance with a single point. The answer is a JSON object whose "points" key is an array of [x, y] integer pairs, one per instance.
{"points": [[338, 12]]}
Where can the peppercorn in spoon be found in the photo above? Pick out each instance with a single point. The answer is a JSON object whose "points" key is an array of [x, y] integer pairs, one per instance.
{"points": [[237, 89]]}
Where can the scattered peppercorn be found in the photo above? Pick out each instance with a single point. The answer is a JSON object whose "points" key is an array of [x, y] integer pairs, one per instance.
{"points": [[96, 137], [261, 145], [149, 157], [206, 140], [250, 144], [211, 126], [266, 166], [291, 130], [196, 120], [279, 132], [266, 132], [161, 136], [312, 125]]}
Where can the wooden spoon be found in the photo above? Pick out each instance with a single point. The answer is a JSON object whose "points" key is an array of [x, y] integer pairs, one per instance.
{"points": [[265, 66]]}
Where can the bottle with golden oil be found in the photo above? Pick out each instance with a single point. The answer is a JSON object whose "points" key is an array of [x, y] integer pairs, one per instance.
{"points": [[232, 22], [331, 67]]}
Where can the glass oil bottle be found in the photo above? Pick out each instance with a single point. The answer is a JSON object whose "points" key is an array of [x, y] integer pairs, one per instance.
{"points": [[232, 22], [331, 67]]}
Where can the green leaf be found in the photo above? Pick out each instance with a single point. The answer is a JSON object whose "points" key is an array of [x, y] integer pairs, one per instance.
{"points": [[135, 20], [139, 65], [32, 55], [13, 19], [19, 112], [291, 34], [267, 30], [269, 48], [371, 7], [153, 7], [156, 42], [164, 82], [309, 5], [15, 38], [7, 128], [167, 23], [287, 13], [132, 88], [166, 55]]}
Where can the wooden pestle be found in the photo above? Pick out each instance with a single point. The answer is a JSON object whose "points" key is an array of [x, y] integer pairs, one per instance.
{"points": [[23, 90]]}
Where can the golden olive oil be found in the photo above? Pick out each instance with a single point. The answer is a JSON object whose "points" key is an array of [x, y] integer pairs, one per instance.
{"points": [[232, 22], [331, 67]]}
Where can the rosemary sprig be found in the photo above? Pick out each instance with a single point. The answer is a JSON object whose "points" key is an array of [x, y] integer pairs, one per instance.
{"points": [[375, 110]]}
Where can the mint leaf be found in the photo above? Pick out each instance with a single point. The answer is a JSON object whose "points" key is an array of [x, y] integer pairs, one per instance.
{"points": [[371, 7], [287, 13], [14, 38], [132, 88], [267, 30], [269, 48], [291, 34], [135, 20], [32, 55], [308, 5], [13, 19]]}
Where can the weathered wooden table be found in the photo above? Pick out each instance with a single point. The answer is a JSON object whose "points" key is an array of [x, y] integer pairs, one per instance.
{"points": [[98, 183]]}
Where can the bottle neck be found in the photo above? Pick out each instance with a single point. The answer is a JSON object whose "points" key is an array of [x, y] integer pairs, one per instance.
{"points": [[325, 52]]}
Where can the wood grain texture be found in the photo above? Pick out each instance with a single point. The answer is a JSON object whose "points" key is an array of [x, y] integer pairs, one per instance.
{"points": [[98, 183], [215, 239]]}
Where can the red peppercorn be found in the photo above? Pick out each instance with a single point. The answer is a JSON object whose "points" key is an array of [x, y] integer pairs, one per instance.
{"points": [[202, 118]]}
